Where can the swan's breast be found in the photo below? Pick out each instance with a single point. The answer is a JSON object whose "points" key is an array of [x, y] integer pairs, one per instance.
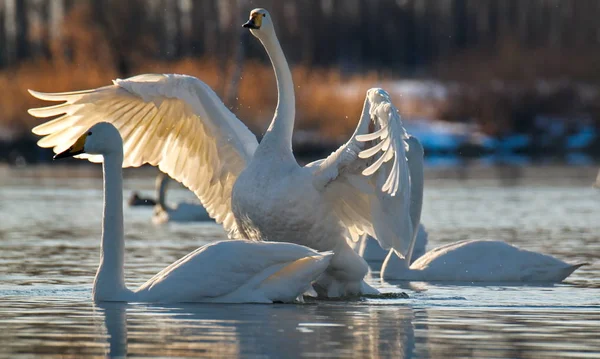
{"points": [[283, 207]]}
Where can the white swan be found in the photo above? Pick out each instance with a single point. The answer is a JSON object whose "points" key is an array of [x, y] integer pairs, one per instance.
{"points": [[478, 261], [227, 271], [258, 192], [180, 212], [469, 260]]}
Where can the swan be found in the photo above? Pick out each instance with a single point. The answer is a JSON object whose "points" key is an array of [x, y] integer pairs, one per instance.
{"points": [[479, 261], [256, 191], [136, 200], [227, 271], [163, 213], [181, 212], [472, 261]]}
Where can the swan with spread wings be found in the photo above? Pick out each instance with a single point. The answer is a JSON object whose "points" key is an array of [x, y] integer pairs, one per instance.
{"points": [[257, 191]]}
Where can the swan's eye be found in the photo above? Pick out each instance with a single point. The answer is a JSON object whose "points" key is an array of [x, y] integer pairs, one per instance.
{"points": [[264, 15], [89, 133]]}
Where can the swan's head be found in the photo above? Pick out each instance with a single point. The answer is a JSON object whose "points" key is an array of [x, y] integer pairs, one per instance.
{"points": [[101, 139], [378, 95], [260, 23]]}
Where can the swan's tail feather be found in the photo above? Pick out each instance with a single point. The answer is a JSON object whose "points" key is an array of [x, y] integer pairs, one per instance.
{"points": [[570, 269], [295, 278]]}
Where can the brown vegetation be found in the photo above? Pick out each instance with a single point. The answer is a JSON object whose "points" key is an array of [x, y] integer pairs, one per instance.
{"points": [[505, 90], [320, 108], [92, 64], [500, 75]]}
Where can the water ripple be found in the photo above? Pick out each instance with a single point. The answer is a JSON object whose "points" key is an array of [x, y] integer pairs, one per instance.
{"points": [[49, 240]]}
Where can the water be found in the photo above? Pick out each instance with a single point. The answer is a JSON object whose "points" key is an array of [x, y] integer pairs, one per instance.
{"points": [[49, 240]]}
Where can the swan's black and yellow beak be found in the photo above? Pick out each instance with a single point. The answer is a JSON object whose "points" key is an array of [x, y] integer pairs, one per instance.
{"points": [[76, 149], [254, 22]]}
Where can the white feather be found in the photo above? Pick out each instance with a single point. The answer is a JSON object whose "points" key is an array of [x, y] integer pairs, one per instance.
{"points": [[169, 121], [388, 193]]}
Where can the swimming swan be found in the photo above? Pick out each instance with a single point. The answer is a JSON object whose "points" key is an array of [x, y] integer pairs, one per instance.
{"points": [[227, 271], [136, 200], [469, 260], [163, 212], [478, 261], [180, 212], [257, 191]]}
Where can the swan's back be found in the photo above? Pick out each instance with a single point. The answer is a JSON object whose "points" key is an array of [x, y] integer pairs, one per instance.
{"points": [[237, 271], [489, 261]]}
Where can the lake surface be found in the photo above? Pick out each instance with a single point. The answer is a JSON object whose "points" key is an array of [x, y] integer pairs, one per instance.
{"points": [[49, 251]]}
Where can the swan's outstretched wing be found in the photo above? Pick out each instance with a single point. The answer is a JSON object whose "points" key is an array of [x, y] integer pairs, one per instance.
{"points": [[367, 180], [175, 122]]}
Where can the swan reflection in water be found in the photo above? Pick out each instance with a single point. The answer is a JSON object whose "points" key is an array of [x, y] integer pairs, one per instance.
{"points": [[332, 328]]}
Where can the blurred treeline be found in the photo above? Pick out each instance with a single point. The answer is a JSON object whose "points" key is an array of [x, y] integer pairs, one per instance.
{"points": [[504, 62], [405, 36]]}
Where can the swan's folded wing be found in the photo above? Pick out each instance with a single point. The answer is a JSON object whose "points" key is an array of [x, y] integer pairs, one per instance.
{"points": [[217, 269], [367, 180], [175, 122]]}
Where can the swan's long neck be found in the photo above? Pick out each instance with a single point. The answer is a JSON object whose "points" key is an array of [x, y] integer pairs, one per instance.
{"points": [[393, 265], [110, 280], [415, 167], [279, 133], [161, 190]]}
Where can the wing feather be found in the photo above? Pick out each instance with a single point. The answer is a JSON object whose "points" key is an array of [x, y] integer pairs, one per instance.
{"points": [[367, 180], [175, 122]]}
